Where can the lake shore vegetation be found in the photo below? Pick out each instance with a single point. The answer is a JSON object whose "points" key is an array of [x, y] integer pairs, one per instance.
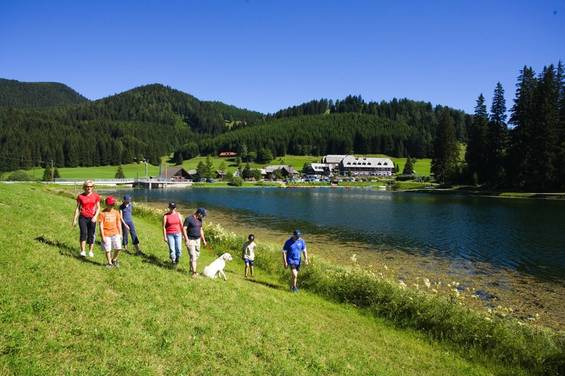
{"points": [[69, 320]]}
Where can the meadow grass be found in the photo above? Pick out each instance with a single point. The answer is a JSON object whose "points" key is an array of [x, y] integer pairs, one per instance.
{"points": [[63, 314], [134, 170]]}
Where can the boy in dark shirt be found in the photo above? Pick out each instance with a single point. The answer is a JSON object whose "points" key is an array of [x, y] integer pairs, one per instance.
{"points": [[195, 232]]}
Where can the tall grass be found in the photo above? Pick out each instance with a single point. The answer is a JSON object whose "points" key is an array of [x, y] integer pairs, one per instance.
{"points": [[501, 339]]}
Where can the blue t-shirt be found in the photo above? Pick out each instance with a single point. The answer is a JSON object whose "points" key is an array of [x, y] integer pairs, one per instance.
{"points": [[193, 226], [294, 249], [127, 212]]}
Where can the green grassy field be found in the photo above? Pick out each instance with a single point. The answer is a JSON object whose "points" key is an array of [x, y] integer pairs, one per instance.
{"points": [[61, 314], [134, 170]]}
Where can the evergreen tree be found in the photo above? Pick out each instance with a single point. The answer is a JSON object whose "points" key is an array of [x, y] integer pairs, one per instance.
{"points": [[210, 167], [444, 161], [120, 173], [497, 138], [202, 170], [475, 155], [56, 174], [243, 153], [47, 174], [521, 154], [246, 173], [561, 127], [544, 138], [408, 167], [264, 155]]}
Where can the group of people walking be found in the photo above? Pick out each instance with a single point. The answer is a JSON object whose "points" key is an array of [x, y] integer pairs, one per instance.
{"points": [[117, 226]]}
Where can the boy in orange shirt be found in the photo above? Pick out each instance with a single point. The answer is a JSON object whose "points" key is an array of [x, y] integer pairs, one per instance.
{"points": [[111, 231]]}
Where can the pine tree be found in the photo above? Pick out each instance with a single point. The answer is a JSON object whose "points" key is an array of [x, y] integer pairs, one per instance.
{"points": [[408, 167], [497, 138], [561, 127], [475, 155], [246, 173], [209, 167], [47, 174], [202, 170], [520, 153], [544, 138], [120, 173], [56, 174], [444, 161]]}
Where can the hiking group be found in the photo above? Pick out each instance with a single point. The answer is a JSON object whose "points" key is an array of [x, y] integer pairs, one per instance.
{"points": [[117, 226]]}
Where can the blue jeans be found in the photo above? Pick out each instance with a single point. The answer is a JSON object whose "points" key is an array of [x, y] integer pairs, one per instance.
{"points": [[125, 232], [175, 246]]}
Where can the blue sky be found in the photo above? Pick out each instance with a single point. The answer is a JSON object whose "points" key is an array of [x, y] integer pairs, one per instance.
{"points": [[266, 55]]}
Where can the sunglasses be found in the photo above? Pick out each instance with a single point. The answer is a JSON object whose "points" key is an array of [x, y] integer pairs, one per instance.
{"points": [[89, 186]]}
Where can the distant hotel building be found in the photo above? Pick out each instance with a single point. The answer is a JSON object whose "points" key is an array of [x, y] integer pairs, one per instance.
{"points": [[354, 166]]}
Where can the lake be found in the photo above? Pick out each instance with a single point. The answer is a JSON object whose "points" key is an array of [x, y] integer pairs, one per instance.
{"points": [[518, 234]]}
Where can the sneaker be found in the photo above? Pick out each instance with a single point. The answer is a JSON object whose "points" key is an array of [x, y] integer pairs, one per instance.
{"points": [[109, 266], [294, 289], [91, 254], [82, 253], [116, 263]]}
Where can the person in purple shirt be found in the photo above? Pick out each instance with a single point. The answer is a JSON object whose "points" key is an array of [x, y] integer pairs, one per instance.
{"points": [[292, 252]]}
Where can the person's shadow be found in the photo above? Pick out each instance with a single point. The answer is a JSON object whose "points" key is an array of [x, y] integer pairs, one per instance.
{"points": [[66, 250]]}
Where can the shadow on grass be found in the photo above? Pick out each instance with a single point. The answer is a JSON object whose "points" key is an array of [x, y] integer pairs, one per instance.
{"points": [[66, 250], [266, 284], [154, 260]]}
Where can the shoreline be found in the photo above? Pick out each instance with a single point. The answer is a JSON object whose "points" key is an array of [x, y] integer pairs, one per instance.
{"points": [[479, 286]]}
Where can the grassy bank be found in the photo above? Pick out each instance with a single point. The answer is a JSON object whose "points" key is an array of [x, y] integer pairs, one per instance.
{"points": [[60, 313]]}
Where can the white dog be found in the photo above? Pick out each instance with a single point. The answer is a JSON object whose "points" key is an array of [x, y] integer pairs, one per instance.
{"points": [[217, 267]]}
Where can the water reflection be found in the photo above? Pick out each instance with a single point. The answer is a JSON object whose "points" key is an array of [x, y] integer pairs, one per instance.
{"points": [[525, 235]]}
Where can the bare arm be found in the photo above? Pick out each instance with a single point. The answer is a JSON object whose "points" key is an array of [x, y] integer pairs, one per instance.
{"points": [[184, 234], [77, 211], [305, 256], [95, 218], [202, 236], [164, 229], [101, 230], [122, 219], [120, 227], [284, 259]]}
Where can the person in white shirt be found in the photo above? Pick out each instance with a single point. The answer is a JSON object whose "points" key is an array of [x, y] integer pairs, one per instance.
{"points": [[248, 255]]}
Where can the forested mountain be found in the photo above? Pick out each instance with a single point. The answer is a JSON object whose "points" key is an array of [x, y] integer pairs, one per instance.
{"points": [[398, 128], [337, 133], [240, 117], [37, 94], [153, 120], [417, 114], [143, 123]]}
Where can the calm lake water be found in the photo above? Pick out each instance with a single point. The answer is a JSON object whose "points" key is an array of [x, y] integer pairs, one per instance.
{"points": [[523, 235]]}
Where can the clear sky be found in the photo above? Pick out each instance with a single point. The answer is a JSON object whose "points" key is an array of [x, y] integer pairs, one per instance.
{"points": [[266, 55]]}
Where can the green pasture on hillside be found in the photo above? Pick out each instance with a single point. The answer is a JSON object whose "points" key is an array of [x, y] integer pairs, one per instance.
{"points": [[62, 314], [134, 170]]}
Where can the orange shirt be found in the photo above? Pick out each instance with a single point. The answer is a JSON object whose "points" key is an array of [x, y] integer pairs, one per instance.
{"points": [[110, 221]]}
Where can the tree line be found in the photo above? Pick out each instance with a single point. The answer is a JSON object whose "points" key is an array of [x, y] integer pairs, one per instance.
{"points": [[397, 128], [525, 153], [142, 124]]}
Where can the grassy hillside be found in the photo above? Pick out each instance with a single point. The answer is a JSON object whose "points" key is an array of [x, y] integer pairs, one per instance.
{"points": [[63, 314]]}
